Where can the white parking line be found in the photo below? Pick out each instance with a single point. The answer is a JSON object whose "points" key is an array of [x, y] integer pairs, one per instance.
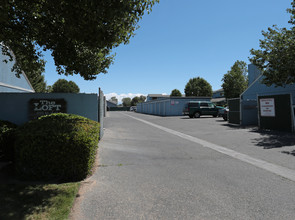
{"points": [[276, 169]]}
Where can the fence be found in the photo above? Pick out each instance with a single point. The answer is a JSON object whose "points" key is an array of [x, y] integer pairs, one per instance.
{"points": [[249, 112], [234, 110], [118, 109]]}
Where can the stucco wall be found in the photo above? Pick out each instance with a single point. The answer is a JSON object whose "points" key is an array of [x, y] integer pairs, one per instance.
{"points": [[14, 107]]}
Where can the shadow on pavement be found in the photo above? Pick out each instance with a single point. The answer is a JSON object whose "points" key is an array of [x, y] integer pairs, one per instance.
{"points": [[274, 139], [269, 139]]}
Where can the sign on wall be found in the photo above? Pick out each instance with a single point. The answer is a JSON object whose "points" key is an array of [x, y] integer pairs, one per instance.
{"points": [[40, 107], [267, 107]]}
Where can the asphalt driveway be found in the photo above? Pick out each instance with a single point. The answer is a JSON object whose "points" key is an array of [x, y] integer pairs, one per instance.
{"points": [[169, 168]]}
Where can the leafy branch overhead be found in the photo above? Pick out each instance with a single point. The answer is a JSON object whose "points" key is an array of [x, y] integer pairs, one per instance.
{"points": [[79, 34], [277, 54]]}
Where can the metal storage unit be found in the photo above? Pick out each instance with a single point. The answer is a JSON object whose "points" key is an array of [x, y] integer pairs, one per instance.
{"points": [[172, 106]]}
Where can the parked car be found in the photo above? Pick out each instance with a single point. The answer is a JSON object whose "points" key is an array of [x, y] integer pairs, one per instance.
{"points": [[194, 109], [133, 108], [224, 113], [220, 110]]}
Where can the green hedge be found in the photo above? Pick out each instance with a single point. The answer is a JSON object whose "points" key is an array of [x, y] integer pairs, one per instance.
{"points": [[57, 146], [7, 138]]}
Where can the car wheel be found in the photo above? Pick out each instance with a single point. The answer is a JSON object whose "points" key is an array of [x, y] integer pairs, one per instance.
{"points": [[197, 115], [225, 118]]}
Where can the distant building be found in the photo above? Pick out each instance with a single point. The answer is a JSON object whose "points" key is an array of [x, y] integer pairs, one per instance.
{"points": [[151, 97], [9, 82], [218, 97], [111, 104], [167, 106]]}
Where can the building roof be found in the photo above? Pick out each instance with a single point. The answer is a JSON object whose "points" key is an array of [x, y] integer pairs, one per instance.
{"points": [[158, 96], [8, 79], [218, 100], [218, 90]]}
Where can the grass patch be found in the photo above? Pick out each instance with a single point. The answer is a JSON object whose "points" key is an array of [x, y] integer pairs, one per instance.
{"points": [[37, 201]]}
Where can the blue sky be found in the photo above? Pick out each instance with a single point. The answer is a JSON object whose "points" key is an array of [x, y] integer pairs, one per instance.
{"points": [[182, 39]]}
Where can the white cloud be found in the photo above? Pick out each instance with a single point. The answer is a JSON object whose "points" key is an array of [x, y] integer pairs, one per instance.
{"points": [[123, 95]]}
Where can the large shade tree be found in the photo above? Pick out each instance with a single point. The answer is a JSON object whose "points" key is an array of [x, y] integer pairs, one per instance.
{"points": [[198, 87], [126, 102], [277, 54], [175, 92], [137, 99], [64, 86], [235, 81], [79, 34]]}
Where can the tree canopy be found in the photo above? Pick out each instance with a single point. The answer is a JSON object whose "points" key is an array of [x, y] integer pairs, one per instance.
{"points": [[235, 81], [198, 87], [114, 99], [126, 102], [175, 92], [277, 54], [79, 34], [137, 99], [64, 86]]}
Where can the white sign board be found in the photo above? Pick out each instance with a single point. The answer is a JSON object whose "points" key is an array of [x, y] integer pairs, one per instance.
{"points": [[267, 107]]}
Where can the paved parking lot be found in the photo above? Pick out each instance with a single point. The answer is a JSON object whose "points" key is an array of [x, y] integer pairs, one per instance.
{"points": [[272, 146], [154, 167]]}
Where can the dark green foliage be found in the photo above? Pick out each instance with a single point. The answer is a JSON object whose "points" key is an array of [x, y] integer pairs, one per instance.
{"points": [[175, 92], [198, 87], [277, 54], [79, 34], [137, 99], [57, 146], [235, 81], [7, 137], [126, 102], [65, 86]]}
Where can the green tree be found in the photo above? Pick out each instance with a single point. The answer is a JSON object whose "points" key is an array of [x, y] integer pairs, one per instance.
{"points": [[175, 92], [142, 98], [277, 54], [79, 34], [137, 99], [48, 89], [126, 102], [235, 81], [198, 87], [64, 86], [114, 99], [38, 82]]}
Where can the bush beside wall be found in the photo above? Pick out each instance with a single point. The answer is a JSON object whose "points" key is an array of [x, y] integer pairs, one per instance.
{"points": [[7, 138], [57, 146]]}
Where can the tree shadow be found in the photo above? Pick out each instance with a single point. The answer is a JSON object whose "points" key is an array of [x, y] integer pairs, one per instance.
{"points": [[274, 139], [269, 138], [233, 126], [19, 198], [200, 118]]}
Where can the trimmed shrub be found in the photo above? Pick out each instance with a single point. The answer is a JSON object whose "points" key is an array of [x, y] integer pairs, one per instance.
{"points": [[56, 147], [7, 138]]}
